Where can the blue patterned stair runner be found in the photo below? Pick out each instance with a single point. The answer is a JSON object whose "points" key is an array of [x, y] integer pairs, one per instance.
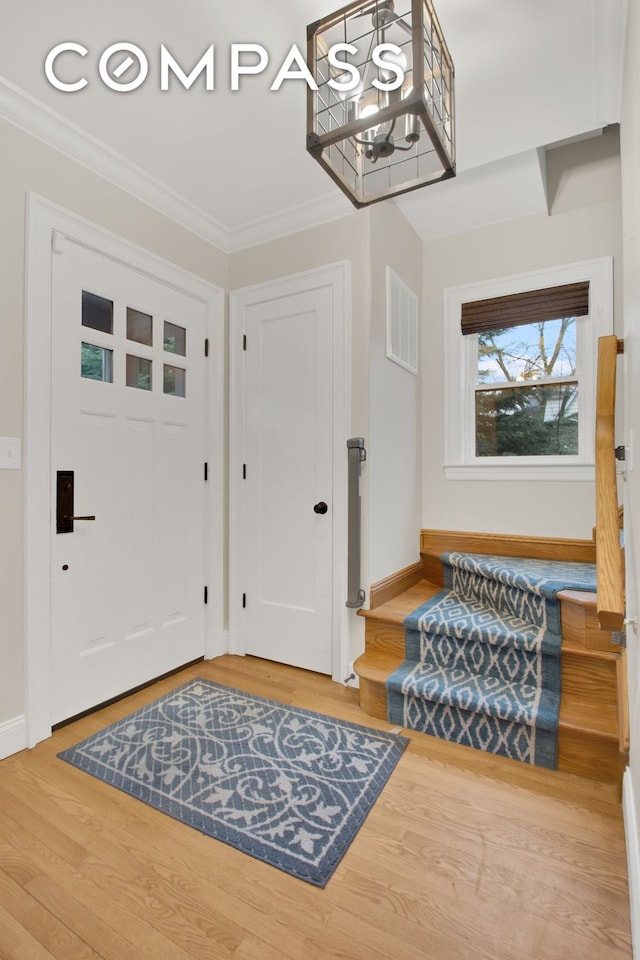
{"points": [[483, 656]]}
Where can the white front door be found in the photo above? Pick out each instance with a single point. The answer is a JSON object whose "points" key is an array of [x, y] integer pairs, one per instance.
{"points": [[127, 424], [287, 474]]}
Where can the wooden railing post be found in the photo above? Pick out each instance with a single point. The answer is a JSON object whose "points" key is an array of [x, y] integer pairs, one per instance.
{"points": [[609, 554]]}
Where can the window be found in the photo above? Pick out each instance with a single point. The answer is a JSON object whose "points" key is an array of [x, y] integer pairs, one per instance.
{"points": [[97, 312], [520, 373], [139, 327], [138, 372], [96, 363], [175, 338]]}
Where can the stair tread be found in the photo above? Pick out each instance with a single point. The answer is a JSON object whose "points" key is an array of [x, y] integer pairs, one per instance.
{"points": [[477, 692], [376, 666], [396, 609], [400, 607], [580, 597], [463, 617]]}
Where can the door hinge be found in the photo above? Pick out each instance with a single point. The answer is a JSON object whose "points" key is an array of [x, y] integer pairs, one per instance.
{"points": [[244, 471], [244, 341], [206, 471], [206, 594], [244, 600], [206, 347]]}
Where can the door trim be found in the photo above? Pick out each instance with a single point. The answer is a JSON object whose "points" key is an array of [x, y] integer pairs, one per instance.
{"points": [[48, 227], [338, 277]]}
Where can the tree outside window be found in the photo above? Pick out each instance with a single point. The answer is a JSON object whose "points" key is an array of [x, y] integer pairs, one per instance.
{"points": [[526, 394]]}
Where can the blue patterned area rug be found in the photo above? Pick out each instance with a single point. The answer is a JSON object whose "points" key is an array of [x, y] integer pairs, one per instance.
{"points": [[280, 783]]}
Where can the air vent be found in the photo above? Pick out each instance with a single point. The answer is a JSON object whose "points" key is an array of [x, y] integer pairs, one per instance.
{"points": [[402, 323]]}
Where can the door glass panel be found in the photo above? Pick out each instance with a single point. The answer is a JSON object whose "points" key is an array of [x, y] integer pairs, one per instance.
{"points": [[175, 339], [97, 312], [175, 381], [138, 372], [139, 326], [96, 363]]}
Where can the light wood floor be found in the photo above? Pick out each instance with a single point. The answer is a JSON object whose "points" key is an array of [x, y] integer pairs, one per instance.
{"points": [[462, 856]]}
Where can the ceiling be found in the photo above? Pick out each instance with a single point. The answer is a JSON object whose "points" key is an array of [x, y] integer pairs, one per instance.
{"points": [[529, 73]]}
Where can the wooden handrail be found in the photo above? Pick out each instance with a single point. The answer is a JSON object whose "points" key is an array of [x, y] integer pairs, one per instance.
{"points": [[609, 555]]}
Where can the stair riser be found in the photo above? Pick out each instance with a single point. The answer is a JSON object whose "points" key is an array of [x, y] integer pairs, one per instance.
{"points": [[427, 683], [580, 627], [433, 543], [514, 740], [373, 698], [384, 638], [509, 666], [589, 755], [591, 679]]}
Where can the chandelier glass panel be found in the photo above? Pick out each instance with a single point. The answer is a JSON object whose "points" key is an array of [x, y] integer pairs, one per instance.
{"points": [[381, 122]]}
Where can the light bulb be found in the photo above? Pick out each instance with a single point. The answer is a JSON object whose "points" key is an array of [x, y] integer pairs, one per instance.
{"points": [[368, 111], [400, 61]]}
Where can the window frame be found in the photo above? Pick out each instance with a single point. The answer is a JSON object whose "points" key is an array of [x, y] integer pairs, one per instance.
{"points": [[461, 364]]}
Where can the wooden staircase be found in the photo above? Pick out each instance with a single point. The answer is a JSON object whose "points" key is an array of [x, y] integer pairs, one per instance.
{"points": [[592, 732]]}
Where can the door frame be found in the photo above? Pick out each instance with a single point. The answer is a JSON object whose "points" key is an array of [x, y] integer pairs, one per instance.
{"points": [[49, 227], [338, 277]]}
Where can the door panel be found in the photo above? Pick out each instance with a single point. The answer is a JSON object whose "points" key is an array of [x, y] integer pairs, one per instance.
{"points": [[127, 588], [289, 391]]}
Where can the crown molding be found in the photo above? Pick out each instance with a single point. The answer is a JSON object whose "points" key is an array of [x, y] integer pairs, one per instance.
{"points": [[51, 128], [39, 121], [292, 220]]}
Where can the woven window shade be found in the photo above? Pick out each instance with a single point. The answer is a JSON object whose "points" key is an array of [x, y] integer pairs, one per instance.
{"points": [[533, 306]]}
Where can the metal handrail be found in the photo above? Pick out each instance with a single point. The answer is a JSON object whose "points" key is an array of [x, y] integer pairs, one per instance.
{"points": [[356, 456]]}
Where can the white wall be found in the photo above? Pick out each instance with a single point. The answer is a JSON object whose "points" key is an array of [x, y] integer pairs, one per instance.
{"points": [[630, 143], [394, 466], [584, 188], [26, 165]]}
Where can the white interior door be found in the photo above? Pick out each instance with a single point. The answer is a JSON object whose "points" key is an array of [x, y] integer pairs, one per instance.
{"points": [[128, 420], [288, 490]]}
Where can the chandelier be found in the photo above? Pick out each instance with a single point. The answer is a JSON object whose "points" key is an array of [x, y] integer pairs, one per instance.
{"points": [[381, 121]]}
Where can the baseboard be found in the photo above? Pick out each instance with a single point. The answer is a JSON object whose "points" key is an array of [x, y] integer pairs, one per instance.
{"points": [[435, 542], [633, 859], [394, 584], [13, 736]]}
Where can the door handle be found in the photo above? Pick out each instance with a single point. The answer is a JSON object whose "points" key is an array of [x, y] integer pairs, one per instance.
{"points": [[320, 507], [65, 483]]}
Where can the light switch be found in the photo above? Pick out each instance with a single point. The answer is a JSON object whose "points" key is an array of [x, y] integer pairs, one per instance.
{"points": [[10, 453]]}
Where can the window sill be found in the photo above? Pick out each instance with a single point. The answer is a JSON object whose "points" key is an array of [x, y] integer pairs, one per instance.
{"points": [[574, 472]]}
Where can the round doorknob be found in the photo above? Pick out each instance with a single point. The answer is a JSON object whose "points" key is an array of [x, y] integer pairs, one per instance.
{"points": [[320, 507]]}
